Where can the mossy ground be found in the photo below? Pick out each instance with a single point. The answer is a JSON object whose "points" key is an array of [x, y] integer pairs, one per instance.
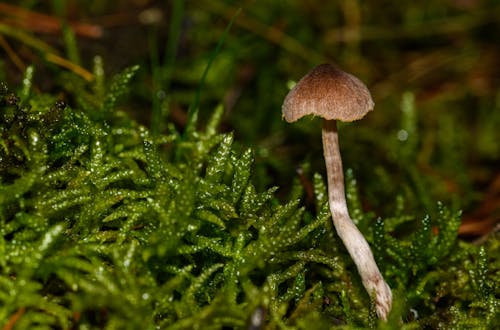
{"points": [[173, 196]]}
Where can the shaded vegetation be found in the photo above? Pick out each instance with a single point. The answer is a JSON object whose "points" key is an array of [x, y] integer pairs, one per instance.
{"points": [[107, 223]]}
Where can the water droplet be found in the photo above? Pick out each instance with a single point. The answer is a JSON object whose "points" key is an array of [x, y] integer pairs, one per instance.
{"points": [[402, 135], [161, 94]]}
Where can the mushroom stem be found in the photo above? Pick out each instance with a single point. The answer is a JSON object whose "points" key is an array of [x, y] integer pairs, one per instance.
{"points": [[353, 239]]}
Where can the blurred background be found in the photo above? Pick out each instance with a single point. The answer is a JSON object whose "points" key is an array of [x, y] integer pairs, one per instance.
{"points": [[433, 68]]}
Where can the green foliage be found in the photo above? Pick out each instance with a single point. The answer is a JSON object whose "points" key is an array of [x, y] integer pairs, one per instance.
{"points": [[104, 225]]}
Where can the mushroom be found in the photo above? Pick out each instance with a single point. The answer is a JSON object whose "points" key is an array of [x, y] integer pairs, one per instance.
{"points": [[333, 94]]}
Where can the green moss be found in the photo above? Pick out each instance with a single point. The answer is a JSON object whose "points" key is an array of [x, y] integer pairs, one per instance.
{"points": [[104, 225]]}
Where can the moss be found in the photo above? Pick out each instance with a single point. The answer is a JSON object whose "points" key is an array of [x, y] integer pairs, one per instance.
{"points": [[105, 225]]}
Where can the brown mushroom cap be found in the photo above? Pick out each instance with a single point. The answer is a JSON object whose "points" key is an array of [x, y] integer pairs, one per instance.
{"points": [[330, 93]]}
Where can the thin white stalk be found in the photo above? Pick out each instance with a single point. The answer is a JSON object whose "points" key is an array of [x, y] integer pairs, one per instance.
{"points": [[353, 239]]}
